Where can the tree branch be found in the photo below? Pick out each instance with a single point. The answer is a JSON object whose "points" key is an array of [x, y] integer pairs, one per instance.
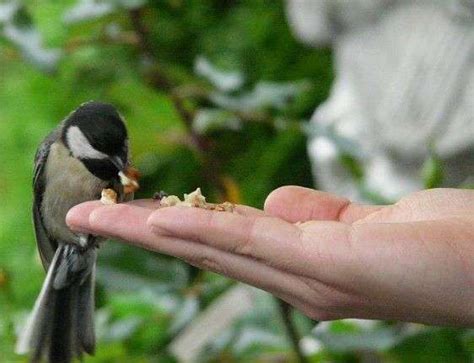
{"points": [[291, 331]]}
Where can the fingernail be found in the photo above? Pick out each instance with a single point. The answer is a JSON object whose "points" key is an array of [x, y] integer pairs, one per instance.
{"points": [[77, 221], [160, 231]]}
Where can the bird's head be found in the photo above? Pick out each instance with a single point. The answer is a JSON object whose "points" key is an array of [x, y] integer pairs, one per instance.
{"points": [[96, 135]]}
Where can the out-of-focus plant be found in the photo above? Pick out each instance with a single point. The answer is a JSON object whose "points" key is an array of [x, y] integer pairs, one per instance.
{"points": [[432, 171]]}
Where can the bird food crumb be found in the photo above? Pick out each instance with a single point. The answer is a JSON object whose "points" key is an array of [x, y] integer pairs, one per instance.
{"points": [[108, 196], [129, 180], [195, 200], [170, 201]]}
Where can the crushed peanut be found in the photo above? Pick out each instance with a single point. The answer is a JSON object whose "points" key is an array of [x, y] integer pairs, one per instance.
{"points": [[129, 180], [170, 201], [108, 197], [195, 200]]}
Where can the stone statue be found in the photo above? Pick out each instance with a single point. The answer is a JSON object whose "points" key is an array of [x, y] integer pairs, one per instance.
{"points": [[404, 87]]}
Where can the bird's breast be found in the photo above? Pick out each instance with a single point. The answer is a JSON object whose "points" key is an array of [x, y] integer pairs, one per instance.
{"points": [[67, 183]]}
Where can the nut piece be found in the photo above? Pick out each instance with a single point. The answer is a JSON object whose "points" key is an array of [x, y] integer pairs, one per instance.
{"points": [[194, 200], [129, 180], [225, 207], [170, 201], [108, 197]]}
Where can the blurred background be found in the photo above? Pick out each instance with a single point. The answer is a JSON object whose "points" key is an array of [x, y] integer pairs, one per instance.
{"points": [[221, 94]]}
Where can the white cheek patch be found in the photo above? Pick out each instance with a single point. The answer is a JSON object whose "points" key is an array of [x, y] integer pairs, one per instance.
{"points": [[80, 146]]}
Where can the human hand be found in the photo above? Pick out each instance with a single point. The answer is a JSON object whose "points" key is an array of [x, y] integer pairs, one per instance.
{"points": [[411, 261]]}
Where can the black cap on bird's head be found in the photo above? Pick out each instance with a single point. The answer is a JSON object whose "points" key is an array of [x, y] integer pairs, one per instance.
{"points": [[95, 134]]}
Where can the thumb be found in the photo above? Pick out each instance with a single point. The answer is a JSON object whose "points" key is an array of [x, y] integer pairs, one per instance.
{"points": [[298, 204]]}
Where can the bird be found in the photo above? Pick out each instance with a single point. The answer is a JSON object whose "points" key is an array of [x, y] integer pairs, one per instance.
{"points": [[86, 153]]}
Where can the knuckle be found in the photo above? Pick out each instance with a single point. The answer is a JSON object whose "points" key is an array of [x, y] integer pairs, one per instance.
{"points": [[207, 262], [333, 300], [210, 264], [330, 299], [245, 246]]}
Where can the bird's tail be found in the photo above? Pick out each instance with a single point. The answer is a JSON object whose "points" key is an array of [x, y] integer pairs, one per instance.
{"points": [[61, 325]]}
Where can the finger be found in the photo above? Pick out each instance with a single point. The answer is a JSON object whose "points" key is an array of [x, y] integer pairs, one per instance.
{"points": [[155, 204], [145, 203], [286, 286], [297, 204], [126, 221], [78, 216], [313, 297], [246, 210], [106, 220], [273, 241], [269, 239], [231, 232], [93, 217], [236, 267]]}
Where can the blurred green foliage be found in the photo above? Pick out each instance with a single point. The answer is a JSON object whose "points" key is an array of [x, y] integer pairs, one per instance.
{"points": [[215, 94]]}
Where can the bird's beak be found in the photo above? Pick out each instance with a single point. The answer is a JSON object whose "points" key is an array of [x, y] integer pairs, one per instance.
{"points": [[118, 162], [125, 180]]}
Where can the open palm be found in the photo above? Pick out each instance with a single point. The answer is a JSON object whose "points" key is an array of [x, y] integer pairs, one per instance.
{"points": [[331, 259]]}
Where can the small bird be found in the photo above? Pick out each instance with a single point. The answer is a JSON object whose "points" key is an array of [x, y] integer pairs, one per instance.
{"points": [[86, 153]]}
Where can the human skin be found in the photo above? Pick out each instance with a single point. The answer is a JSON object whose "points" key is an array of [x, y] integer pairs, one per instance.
{"points": [[328, 257]]}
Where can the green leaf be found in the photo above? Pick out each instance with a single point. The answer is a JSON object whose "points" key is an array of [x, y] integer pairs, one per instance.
{"points": [[111, 353], [432, 172], [353, 166], [122, 329], [20, 31], [434, 345], [352, 338], [143, 304], [212, 286], [130, 4], [265, 95], [467, 185], [253, 339], [207, 120], [468, 342], [87, 10], [269, 164], [127, 269], [223, 81]]}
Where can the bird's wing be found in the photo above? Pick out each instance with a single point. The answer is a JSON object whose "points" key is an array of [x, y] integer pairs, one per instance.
{"points": [[46, 246]]}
